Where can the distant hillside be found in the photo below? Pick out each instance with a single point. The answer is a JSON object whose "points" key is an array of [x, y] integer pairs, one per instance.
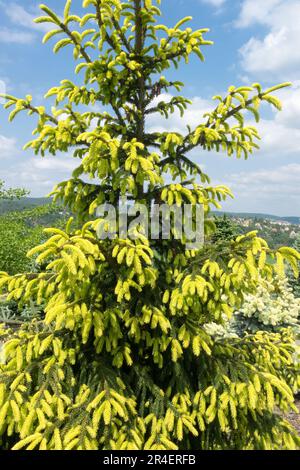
{"points": [[245, 215], [22, 204], [31, 202]]}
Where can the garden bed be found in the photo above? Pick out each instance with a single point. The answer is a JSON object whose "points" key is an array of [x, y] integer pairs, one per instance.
{"points": [[294, 418]]}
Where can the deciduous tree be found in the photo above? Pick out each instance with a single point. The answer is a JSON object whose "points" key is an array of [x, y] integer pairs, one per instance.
{"points": [[11, 193]]}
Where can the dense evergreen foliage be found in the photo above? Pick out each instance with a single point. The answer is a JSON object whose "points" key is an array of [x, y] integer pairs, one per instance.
{"points": [[122, 359], [225, 229]]}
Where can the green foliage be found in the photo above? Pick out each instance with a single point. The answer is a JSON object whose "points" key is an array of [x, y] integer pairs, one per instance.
{"points": [[297, 244], [21, 231], [25, 203], [122, 359], [11, 193], [294, 280], [225, 229]]}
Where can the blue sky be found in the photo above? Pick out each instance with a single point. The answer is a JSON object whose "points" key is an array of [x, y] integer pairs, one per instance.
{"points": [[255, 40]]}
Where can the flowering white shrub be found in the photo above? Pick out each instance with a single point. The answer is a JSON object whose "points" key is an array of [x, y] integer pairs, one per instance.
{"points": [[219, 331], [273, 304]]}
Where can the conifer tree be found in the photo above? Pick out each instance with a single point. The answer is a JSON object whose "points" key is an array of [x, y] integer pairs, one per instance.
{"points": [[121, 358], [226, 229]]}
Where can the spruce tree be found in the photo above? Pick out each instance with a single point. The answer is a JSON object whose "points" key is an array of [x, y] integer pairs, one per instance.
{"points": [[121, 359], [225, 229]]}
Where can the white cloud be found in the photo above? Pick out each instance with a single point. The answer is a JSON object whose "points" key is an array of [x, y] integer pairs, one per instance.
{"points": [[37, 183], [277, 54], [192, 117], [254, 11], [275, 191], [21, 17], [277, 139], [39, 175], [285, 179], [7, 147], [281, 133], [9, 36], [290, 114], [55, 163]]}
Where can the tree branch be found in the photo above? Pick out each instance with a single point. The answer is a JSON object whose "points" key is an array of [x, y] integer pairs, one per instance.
{"points": [[36, 111], [184, 159], [77, 44], [122, 35], [139, 44], [231, 113], [100, 24]]}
